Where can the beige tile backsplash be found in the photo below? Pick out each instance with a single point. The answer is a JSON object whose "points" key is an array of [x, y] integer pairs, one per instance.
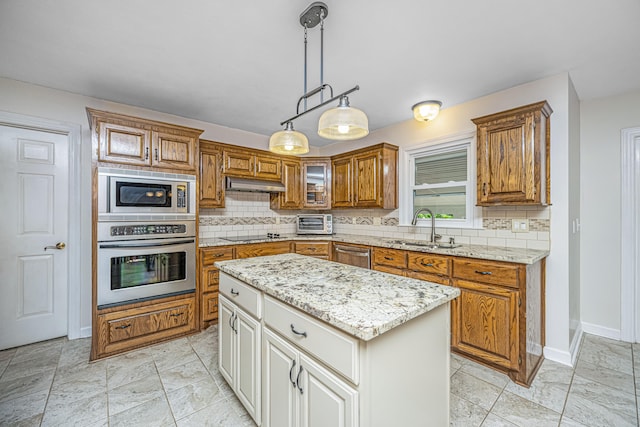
{"points": [[250, 214]]}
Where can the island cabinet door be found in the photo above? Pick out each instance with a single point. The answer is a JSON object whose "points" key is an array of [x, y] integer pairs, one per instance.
{"points": [[279, 390], [325, 400], [226, 339]]}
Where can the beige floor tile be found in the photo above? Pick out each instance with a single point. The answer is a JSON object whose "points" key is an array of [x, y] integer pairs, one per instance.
{"points": [[134, 393], [463, 413], [474, 389], [25, 410], [96, 371], [183, 375], [607, 353], [129, 367], [568, 422], [193, 397], [486, 374], [218, 414], [80, 412], [549, 388], [616, 379], [493, 420], [173, 353], [72, 391], [154, 412], [524, 413], [14, 388]]}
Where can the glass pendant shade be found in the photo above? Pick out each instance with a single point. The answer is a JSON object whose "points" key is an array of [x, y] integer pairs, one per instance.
{"points": [[343, 123], [426, 110], [289, 141]]}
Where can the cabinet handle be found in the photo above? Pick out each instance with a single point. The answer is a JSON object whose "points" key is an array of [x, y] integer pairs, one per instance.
{"points": [[484, 188], [293, 329], [234, 292], [388, 258], [218, 255], [484, 273], [293, 382], [128, 325], [146, 153], [298, 380], [219, 195], [427, 264], [155, 154], [235, 319], [176, 314]]}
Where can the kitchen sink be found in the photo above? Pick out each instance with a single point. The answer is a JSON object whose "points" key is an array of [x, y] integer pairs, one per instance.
{"points": [[443, 245]]}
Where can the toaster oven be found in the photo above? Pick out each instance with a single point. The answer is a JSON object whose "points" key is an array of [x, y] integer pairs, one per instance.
{"points": [[314, 224]]}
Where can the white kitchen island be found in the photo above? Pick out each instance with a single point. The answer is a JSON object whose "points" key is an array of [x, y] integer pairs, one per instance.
{"points": [[308, 342]]}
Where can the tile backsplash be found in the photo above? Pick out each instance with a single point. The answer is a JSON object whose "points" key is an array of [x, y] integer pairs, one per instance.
{"points": [[250, 214]]}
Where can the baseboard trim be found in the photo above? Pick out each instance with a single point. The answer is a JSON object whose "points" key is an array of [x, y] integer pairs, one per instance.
{"points": [[601, 331], [560, 356], [85, 332], [574, 348]]}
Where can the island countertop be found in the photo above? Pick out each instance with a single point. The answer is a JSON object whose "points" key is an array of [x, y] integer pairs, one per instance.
{"points": [[363, 303]]}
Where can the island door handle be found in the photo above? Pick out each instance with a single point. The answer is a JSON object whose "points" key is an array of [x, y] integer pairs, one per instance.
{"points": [[484, 273], [293, 381], [293, 329], [234, 292], [298, 381], [235, 321]]}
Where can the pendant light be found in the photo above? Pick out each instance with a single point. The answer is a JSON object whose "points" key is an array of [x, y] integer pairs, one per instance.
{"points": [[289, 141], [426, 110], [341, 123]]}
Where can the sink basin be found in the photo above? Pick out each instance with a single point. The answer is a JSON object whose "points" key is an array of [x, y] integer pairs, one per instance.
{"points": [[437, 245]]}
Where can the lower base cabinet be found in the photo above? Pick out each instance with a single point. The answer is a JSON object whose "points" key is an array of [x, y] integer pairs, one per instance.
{"points": [[239, 354], [300, 392]]}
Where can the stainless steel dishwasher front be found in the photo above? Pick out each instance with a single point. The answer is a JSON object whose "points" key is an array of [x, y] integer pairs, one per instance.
{"points": [[353, 255]]}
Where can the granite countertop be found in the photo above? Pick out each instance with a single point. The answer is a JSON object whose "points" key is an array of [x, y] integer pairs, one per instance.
{"points": [[363, 303], [492, 253]]}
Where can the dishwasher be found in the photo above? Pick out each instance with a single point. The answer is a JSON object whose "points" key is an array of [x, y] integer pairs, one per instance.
{"points": [[352, 255]]}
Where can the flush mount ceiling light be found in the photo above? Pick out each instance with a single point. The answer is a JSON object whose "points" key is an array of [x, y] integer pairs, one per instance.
{"points": [[341, 123], [426, 110]]}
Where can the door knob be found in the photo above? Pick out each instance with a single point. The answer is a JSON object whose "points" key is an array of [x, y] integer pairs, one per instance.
{"points": [[59, 245]]}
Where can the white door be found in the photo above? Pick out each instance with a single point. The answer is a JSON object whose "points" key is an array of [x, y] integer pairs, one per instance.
{"points": [[34, 204], [279, 390]]}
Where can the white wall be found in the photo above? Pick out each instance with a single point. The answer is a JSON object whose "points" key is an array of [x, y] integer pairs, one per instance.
{"points": [[456, 120], [600, 124]]}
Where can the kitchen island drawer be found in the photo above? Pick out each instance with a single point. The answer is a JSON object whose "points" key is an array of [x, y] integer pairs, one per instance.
{"points": [[495, 273], [247, 297], [333, 347]]}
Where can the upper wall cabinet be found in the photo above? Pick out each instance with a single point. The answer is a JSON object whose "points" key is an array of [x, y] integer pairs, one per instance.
{"points": [[513, 156], [366, 178], [139, 142], [211, 182], [251, 164]]}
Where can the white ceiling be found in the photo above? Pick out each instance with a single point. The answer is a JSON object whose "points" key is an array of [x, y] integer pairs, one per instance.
{"points": [[240, 63]]}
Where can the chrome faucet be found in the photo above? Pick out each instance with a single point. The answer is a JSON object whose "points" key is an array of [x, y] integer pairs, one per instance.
{"points": [[434, 236]]}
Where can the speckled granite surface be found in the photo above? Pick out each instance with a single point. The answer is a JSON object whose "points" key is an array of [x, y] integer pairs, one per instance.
{"points": [[363, 303], [492, 253]]}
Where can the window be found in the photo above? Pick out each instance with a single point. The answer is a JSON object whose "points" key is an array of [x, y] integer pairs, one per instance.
{"points": [[441, 178]]}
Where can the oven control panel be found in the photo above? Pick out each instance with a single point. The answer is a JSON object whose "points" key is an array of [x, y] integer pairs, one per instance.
{"points": [[147, 229]]}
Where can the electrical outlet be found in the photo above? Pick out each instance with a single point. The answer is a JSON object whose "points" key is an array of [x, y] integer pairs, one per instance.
{"points": [[519, 225]]}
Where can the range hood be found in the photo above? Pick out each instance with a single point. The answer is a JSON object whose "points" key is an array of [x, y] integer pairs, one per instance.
{"points": [[253, 185]]}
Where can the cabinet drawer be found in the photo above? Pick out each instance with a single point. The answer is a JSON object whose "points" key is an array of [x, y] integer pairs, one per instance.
{"points": [[126, 329], [209, 307], [390, 257], [313, 249], [435, 278], [391, 270], [211, 255], [250, 299], [210, 279], [262, 249], [486, 272], [427, 263], [333, 347]]}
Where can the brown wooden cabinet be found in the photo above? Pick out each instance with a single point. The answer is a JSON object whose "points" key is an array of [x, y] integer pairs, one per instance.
{"points": [[392, 261], [262, 249], [291, 198], [513, 156], [316, 183], [313, 248], [499, 317], [210, 179], [251, 164], [139, 142], [366, 178], [139, 325], [209, 281]]}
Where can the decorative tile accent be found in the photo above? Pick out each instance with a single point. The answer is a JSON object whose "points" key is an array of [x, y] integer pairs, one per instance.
{"points": [[393, 222], [342, 220], [238, 220], [364, 220]]}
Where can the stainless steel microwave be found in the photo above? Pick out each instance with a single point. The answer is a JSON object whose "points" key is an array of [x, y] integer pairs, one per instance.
{"points": [[138, 192], [314, 224]]}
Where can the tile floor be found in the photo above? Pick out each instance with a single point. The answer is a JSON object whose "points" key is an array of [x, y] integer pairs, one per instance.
{"points": [[178, 384]]}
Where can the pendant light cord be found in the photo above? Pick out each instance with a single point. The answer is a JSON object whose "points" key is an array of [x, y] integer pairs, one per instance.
{"points": [[305, 65], [321, 55]]}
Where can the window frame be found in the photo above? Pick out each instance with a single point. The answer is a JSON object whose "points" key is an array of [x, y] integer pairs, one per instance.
{"points": [[438, 146]]}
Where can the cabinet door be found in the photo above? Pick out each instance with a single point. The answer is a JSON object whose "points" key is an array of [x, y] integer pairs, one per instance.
{"points": [[247, 384], [341, 189], [325, 400], [239, 163], [267, 167], [211, 181], [226, 339], [124, 144], [174, 151], [316, 185], [279, 382], [367, 180], [291, 198], [485, 323]]}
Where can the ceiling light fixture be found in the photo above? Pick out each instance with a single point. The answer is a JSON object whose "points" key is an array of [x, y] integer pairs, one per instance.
{"points": [[426, 110], [341, 123]]}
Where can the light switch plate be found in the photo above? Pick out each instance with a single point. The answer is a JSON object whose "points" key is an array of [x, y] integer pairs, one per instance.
{"points": [[519, 225]]}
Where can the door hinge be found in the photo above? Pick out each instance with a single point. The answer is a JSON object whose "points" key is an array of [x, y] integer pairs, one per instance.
{"points": [[519, 301], [519, 360]]}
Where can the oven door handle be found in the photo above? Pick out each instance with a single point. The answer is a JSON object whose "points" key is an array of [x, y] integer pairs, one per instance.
{"points": [[144, 245]]}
